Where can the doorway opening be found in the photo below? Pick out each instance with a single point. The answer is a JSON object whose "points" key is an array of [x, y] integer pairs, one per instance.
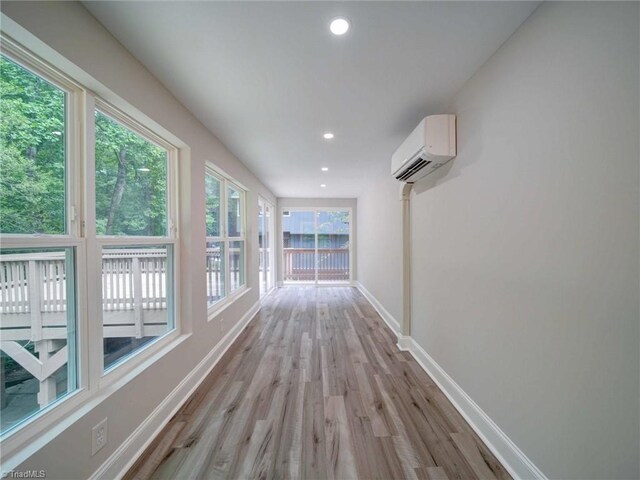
{"points": [[316, 245]]}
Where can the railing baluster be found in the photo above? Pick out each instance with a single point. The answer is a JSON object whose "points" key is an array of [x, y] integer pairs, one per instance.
{"points": [[137, 296], [34, 281], [130, 277], [113, 270]]}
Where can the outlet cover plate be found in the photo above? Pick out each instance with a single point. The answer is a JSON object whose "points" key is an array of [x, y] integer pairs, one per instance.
{"points": [[99, 437]]}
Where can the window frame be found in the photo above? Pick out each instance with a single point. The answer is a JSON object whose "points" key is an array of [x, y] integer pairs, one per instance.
{"points": [[92, 383], [224, 238], [315, 211], [24, 432], [129, 362], [268, 225]]}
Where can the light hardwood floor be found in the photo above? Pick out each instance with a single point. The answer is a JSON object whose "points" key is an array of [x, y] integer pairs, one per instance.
{"points": [[315, 387]]}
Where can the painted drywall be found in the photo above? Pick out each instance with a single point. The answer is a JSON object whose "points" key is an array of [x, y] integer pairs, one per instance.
{"points": [[526, 247], [284, 203], [380, 243], [65, 34]]}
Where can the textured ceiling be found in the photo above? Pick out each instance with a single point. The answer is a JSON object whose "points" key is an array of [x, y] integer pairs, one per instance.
{"points": [[268, 78]]}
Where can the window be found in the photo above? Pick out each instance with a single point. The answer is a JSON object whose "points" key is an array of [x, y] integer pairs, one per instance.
{"points": [[38, 351], [225, 237], [131, 181], [265, 242], [132, 202], [87, 234]]}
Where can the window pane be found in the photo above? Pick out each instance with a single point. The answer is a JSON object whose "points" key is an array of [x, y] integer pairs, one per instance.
{"points": [[236, 264], [268, 246], [261, 245], [37, 323], [298, 240], [137, 298], [212, 189], [215, 272], [234, 206], [32, 153], [333, 246], [131, 182]]}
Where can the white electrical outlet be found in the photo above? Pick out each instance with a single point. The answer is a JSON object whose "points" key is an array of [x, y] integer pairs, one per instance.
{"points": [[98, 436]]}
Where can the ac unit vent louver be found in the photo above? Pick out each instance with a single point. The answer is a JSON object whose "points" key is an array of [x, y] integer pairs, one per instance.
{"points": [[413, 168], [429, 146]]}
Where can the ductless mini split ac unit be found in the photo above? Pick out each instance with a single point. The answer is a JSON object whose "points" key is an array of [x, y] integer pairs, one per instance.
{"points": [[431, 144]]}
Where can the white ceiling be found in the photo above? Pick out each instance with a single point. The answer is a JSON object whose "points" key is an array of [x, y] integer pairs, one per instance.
{"points": [[268, 78]]}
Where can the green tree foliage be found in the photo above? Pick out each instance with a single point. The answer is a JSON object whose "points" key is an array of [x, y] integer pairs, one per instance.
{"points": [[32, 159], [131, 182], [212, 189], [131, 172]]}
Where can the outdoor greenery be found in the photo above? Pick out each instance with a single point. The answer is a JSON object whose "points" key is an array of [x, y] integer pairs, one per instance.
{"points": [[32, 159], [131, 182], [212, 190], [131, 172]]}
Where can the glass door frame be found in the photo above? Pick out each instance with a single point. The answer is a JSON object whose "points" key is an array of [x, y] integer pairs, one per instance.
{"points": [[270, 276], [315, 211]]}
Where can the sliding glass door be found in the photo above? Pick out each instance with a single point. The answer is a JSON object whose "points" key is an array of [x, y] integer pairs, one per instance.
{"points": [[265, 240], [316, 245]]}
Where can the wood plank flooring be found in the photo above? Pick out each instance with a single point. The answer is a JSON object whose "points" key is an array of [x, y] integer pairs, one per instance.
{"points": [[315, 388]]}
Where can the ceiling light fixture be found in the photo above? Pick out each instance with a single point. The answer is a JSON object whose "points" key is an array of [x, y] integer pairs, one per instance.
{"points": [[143, 169], [325, 169], [322, 185], [328, 136], [339, 26]]}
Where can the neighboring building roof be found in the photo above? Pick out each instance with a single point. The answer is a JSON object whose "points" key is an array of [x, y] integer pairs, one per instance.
{"points": [[299, 222]]}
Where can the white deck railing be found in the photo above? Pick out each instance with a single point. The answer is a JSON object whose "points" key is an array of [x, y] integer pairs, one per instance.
{"points": [[33, 294], [33, 306], [299, 264]]}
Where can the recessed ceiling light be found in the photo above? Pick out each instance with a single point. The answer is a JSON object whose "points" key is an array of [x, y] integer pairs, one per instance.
{"points": [[143, 169], [339, 26], [325, 169], [322, 185], [328, 136]]}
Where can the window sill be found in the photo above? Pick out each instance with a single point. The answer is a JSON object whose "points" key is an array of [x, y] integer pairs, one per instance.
{"points": [[131, 366], [35, 433], [217, 309]]}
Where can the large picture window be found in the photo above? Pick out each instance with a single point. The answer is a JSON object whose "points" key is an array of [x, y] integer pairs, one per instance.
{"points": [[225, 237], [132, 202], [39, 241]]}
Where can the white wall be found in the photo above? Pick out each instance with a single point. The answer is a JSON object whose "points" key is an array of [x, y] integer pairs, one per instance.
{"points": [[284, 203], [65, 34], [380, 243], [526, 247]]}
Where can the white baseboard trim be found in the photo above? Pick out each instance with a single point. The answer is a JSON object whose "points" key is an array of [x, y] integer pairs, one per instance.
{"points": [[384, 314], [117, 465], [404, 343], [507, 452]]}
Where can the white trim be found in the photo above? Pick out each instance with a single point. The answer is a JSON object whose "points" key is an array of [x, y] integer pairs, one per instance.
{"points": [[507, 452], [391, 322], [117, 465], [221, 305], [32, 436], [404, 343], [315, 211]]}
